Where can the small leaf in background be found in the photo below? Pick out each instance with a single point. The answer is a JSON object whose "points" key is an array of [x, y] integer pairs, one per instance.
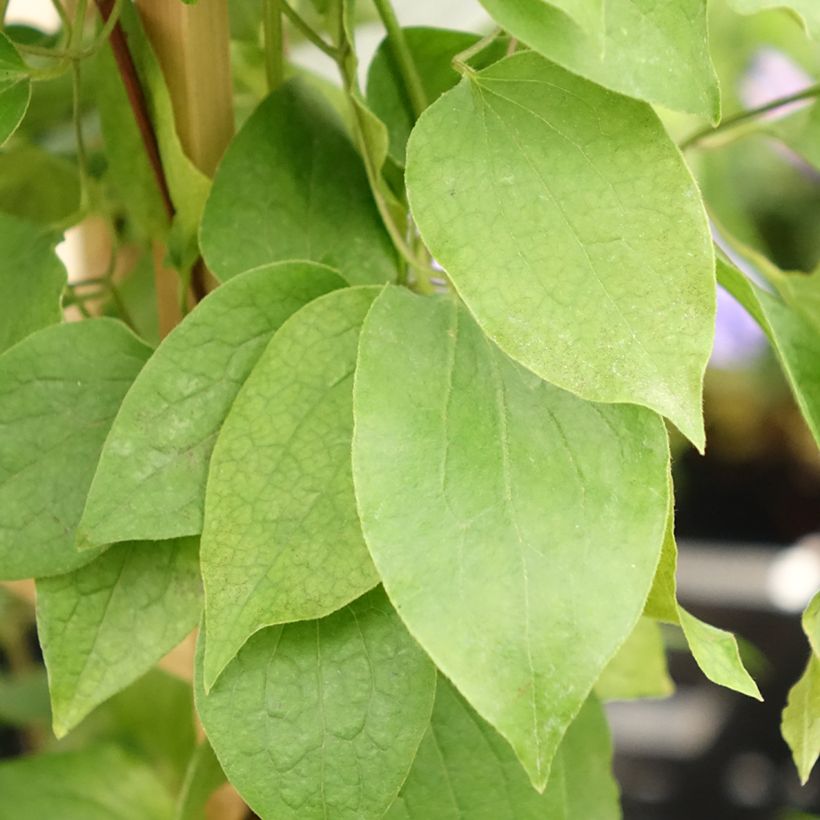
{"points": [[715, 651], [32, 279], [98, 783], [639, 669], [465, 769], [717, 654], [793, 328], [801, 719], [24, 699], [432, 50], [322, 719], [569, 224], [282, 540], [807, 12], [658, 52], [150, 482], [107, 623], [59, 392], [38, 187], [291, 186], [203, 777], [15, 88], [516, 527]]}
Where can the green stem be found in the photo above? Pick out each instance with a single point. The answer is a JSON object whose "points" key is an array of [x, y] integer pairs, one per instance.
{"points": [[461, 60], [82, 158], [750, 114], [274, 44], [404, 59], [307, 31], [4, 5]]}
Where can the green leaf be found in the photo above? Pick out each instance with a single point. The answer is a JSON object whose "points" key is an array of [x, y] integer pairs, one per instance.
{"points": [[15, 89], [639, 669], [657, 52], [793, 328], [516, 528], [714, 650], [292, 186], [432, 51], [24, 699], [106, 624], [811, 623], [203, 778], [150, 482], [801, 719], [465, 769], [807, 12], [38, 186], [59, 391], [282, 540], [128, 170], [716, 653], [188, 186], [100, 783], [31, 278], [573, 231], [322, 719]]}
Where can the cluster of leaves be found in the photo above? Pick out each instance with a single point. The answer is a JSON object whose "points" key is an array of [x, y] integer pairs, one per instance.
{"points": [[407, 466]]}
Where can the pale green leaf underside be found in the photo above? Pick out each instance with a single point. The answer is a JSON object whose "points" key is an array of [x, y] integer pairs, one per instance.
{"points": [[59, 392], [655, 51], [541, 516], [15, 89], [792, 330], [150, 482], [571, 228], [282, 540], [322, 719], [98, 783], [465, 769], [639, 669], [714, 650], [801, 719], [107, 623], [291, 186], [806, 11], [32, 280], [432, 50]]}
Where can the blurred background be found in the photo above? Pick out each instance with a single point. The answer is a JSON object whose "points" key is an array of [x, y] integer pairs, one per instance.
{"points": [[748, 513]]}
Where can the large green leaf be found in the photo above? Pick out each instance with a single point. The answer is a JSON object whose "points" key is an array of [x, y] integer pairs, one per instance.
{"points": [[654, 51], [639, 669], [150, 482], [322, 719], [59, 392], [806, 11], [291, 186], [714, 650], [100, 783], [801, 719], [516, 527], [15, 88], [432, 50], [811, 623], [107, 623], [32, 279], [465, 770], [573, 231], [282, 540], [793, 330]]}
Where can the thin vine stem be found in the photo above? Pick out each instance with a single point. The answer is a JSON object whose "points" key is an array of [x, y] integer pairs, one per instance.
{"points": [[742, 117], [404, 59], [274, 44], [79, 138], [307, 31], [4, 5]]}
